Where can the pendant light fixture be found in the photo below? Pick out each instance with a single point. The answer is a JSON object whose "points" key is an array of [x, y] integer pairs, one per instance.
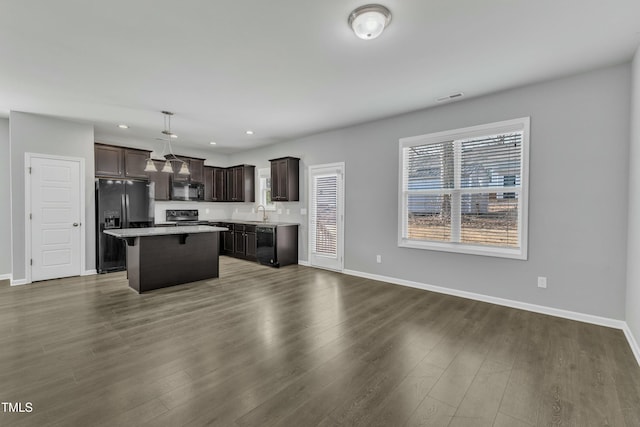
{"points": [[150, 166], [170, 157], [369, 21]]}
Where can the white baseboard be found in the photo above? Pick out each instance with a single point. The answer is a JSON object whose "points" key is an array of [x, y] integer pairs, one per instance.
{"points": [[5, 276], [572, 315], [632, 342], [89, 272], [302, 262], [19, 282]]}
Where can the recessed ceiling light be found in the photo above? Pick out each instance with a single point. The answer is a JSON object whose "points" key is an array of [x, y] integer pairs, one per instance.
{"points": [[123, 126], [212, 143], [173, 135], [249, 132]]}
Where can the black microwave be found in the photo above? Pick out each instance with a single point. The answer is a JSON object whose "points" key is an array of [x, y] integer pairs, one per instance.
{"points": [[187, 191]]}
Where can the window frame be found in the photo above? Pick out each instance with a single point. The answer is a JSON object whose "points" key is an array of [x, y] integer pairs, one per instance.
{"points": [[514, 125], [265, 173]]}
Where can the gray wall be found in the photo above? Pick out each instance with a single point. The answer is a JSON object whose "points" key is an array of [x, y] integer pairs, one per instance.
{"points": [[5, 200], [31, 133], [633, 232], [577, 204]]}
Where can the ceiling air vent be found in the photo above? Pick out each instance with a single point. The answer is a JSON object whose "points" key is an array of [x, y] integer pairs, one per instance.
{"points": [[450, 97]]}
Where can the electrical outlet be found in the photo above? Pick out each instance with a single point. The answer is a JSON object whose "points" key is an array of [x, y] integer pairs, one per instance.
{"points": [[288, 211], [236, 210], [303, 211], [379, 259], [253, 210], [542, 282], [279, 211]]}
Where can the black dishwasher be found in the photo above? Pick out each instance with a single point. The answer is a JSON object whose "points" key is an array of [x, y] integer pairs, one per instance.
{"points": [[266, 246], [277, 245]]}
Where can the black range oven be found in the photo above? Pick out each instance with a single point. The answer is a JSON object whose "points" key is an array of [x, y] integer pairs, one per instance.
{"points": [[184, 217]]}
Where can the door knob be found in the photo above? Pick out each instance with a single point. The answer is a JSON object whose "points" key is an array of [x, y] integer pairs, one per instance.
{"points": [[75, 224]]}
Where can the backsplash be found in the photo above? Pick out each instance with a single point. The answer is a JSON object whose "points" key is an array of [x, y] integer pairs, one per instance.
{"points": [[285, 212], [206, 210]]}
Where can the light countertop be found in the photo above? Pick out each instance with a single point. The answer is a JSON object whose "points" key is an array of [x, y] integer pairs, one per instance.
{"points": [[236, 221], [258, 223], [124, 233]]}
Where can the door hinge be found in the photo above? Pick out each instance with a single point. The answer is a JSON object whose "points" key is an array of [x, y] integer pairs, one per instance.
{"points": [[30, 216], [29, 170], [31, 261]]}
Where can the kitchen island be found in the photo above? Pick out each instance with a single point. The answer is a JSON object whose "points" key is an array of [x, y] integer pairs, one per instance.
{"points": [[158, 257]]}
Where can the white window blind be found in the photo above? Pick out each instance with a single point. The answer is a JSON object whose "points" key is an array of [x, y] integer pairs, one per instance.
{"points": [[464, 190], [324, 215]]}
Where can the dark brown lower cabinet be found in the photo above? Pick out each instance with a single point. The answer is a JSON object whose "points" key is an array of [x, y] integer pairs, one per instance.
{"points": [[251, 245], [240, 241], [226, 240]]}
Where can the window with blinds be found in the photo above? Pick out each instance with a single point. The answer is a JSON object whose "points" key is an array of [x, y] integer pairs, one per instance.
{"points": [[465, 190], [324, 215]]}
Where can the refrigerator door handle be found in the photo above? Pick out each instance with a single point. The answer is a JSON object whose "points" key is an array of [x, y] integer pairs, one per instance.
{"points": [[125, 207]]}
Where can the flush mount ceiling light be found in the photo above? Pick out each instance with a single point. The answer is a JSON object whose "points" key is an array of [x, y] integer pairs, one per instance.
{"points": [[123, 126], [249, 132], [369, 21], [170, 157]]}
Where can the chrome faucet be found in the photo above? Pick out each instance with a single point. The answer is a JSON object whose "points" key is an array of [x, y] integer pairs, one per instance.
{"points": [[264, 212]]}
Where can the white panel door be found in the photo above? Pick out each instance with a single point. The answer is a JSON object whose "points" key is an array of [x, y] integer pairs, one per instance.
{"points": [[326, 218], [55, 218]]}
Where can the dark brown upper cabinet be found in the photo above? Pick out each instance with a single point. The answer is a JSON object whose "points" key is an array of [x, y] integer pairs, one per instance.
{"points": [[196, 169], [135, 162], [240, 185], [214, 184], [285, 179], [219, 184], [208, 184], [109, 161], [120, 162], [161, 180]]}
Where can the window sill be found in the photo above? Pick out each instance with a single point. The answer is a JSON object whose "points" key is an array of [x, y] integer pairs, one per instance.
{"points": [[516, 253]]}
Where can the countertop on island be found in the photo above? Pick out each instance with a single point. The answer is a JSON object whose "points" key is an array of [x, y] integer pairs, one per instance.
{"points": [[124, 233]]}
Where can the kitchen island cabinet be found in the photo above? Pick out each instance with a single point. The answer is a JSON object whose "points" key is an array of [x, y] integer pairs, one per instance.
{"points": [[158, 257]]}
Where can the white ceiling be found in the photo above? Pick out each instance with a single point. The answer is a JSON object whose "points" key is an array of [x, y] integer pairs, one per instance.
{"points": [[285, 68]]}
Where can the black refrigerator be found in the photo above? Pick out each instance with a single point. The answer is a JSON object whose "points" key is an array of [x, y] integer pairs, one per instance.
{"points": [[120, 204]]}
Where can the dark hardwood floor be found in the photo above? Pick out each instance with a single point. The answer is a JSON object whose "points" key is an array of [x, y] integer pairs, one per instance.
{"points": [[300, 347]]}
